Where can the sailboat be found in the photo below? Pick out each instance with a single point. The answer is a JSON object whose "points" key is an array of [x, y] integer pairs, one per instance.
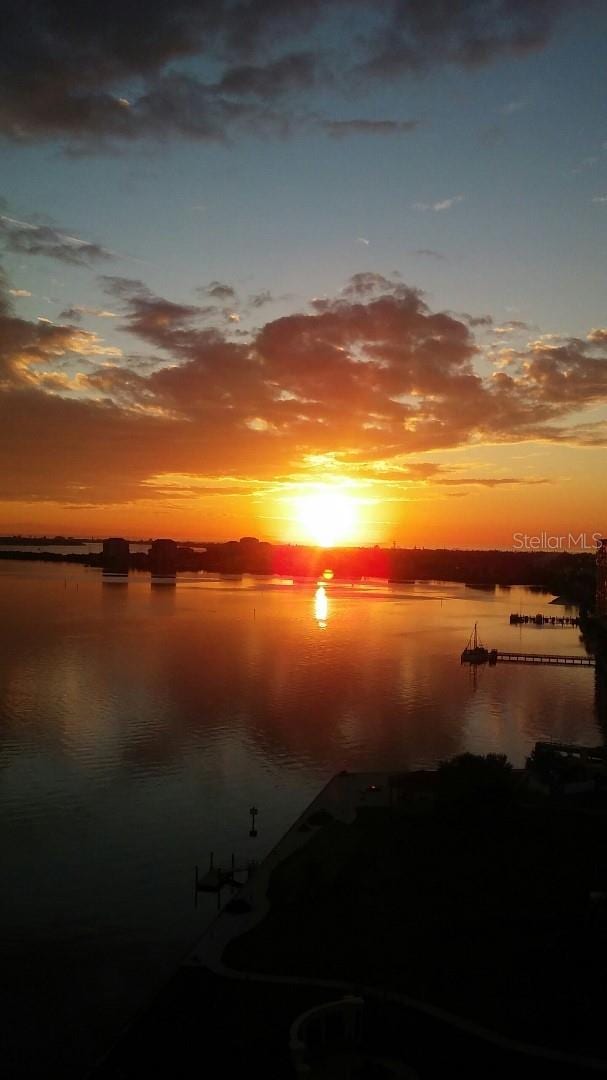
{"points": [[475, 652]]}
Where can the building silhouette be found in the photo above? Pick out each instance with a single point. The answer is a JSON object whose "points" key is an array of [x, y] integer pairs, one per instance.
{"points": [[601, 579], [163, 562], [116, 553]]}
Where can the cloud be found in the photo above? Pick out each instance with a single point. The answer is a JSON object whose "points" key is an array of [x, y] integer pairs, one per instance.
{"points": [[600, 199], [19, 292], [155, 320], [219, 291], [178, 104], [30, 352], [75, 313], [512, 326], [427, 253], [23, 238], [442, 204], [563, 374], [339, 128], [258, 300], [490, 481], [513, 107], [367, 282], [291, 71], [424, 472], [366, 379], [420, 36], [206, 70]]}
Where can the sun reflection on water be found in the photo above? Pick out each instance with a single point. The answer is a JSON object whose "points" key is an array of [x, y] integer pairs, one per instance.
{"points": [[321, 606]]}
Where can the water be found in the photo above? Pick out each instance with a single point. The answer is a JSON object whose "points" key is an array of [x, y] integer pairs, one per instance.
{"points": [[139, 724]]}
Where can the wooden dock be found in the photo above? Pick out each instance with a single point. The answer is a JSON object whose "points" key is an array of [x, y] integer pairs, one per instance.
{"points": [[517, 619], [543, 658]]}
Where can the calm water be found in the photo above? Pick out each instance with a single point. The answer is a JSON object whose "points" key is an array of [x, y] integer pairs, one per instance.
{"points": [[138, 725]]}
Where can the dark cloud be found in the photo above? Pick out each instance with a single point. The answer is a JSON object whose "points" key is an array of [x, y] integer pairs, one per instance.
{"points": [[261, 298], [564, 374], [293, 71], [24, 238], [87, 73], [367, 282], [423, 33], [78, 451], [60, 65], [428, 253], [219, 291], [178, 104], [339, 128], [155, 320]]}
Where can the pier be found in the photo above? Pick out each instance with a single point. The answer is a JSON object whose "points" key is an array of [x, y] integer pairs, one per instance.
{"points": [[543, 658], [516, 619], [216, 879]]}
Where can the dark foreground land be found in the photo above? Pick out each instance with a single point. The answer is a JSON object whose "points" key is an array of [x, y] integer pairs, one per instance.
{"points": [[485, 911], [228, 1028], [471, 893]]}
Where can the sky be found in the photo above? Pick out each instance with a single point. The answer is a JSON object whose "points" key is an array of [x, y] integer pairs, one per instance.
{"points": [[270, 266]]}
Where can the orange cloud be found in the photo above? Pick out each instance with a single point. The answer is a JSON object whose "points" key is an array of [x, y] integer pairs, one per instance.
{"points": [[363, 381]]}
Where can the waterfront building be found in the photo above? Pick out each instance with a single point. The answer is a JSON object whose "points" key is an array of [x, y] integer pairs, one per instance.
{"points": [[601, 579], [163, 562], [116, 554]]}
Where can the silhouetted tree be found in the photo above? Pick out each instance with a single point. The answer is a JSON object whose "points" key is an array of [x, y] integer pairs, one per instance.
{"points": [[473, 783]]}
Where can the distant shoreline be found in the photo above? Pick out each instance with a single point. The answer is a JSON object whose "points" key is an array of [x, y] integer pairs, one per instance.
{"points": [[570, 578]]}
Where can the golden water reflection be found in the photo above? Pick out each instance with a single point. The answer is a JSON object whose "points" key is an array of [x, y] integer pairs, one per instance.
{"points": [[321, 606]]}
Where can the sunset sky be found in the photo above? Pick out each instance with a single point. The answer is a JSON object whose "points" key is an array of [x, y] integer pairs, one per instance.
{"points": [[258, 253]]}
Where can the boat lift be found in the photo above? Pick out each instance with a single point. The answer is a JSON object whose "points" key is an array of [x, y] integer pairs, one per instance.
{"points": [[216, 878]]}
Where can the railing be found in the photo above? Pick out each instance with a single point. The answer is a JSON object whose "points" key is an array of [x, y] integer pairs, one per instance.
{"points": [[544, 658]]}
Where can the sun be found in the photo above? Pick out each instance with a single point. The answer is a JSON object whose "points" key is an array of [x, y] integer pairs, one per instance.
{"points": [[327, 517]]}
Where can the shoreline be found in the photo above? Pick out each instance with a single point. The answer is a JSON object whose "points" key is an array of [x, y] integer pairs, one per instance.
{"points": [[194, 562]]}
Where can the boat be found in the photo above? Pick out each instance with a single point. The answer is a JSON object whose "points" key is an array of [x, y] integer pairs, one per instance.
{"points": [[475, 652]]}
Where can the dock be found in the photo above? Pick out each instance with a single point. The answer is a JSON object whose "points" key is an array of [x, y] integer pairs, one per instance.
{"points": [[216, 879], [543, 658], [516, 619]]}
